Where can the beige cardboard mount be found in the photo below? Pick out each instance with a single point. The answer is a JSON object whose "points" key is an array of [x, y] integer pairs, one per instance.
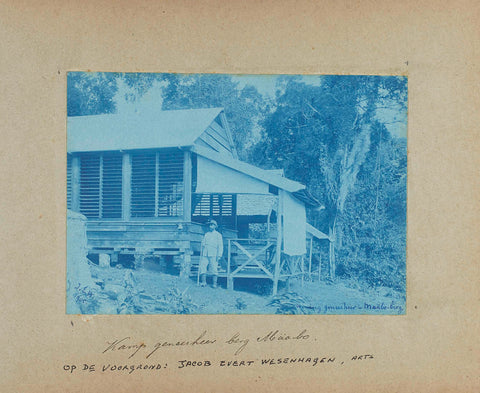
{"points": [[433, 348]]}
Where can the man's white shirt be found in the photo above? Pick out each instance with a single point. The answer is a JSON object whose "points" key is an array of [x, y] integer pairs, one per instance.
{"points": [[212, 245]]}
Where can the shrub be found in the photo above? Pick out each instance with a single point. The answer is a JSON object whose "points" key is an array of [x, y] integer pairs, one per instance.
{"points": [[292, 303], [86, 298], [240, 304], [176, 302]]}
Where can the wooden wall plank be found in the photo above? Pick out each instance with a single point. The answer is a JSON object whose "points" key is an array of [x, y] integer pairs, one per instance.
{"points": [[213, 143], [225, 125], [219, 133]]}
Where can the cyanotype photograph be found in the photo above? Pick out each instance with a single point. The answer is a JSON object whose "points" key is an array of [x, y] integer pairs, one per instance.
{"points": [[236, 194]]}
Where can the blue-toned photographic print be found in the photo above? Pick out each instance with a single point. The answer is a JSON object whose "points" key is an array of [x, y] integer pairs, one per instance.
{"points": [[236, 194]]}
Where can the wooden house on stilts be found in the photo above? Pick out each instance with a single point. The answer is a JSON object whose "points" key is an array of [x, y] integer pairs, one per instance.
{"points": [[148, 183]]}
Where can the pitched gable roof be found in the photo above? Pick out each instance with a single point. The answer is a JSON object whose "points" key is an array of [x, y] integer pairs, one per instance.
{"points": [[138, 131]]}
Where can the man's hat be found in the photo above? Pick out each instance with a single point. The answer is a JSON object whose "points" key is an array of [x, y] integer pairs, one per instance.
{"points": [[212, 222]]}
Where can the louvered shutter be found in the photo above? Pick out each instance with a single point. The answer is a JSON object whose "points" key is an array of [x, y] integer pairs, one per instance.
{"points": [[157, 184], [90, 185], [112, 185], [220, 207], [143, 184], [170, 183], [69, 181], [101, 185], [227, 205], [201, 203]]}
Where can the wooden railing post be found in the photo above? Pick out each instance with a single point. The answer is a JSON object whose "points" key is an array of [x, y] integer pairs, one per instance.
{"points": [[310, 258], [229, 278], [302, 261], [319, 267]]}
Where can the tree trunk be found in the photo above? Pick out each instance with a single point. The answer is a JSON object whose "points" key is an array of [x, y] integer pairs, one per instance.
{"points": [[378, 170], [332, 263]]}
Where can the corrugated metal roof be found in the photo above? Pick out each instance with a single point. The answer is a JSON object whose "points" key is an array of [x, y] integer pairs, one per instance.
{"points": [[250, 170], [138, 131]]}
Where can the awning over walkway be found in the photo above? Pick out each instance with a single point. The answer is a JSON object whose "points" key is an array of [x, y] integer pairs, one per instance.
{"points": [[217, 173], [230, 164], [213, 177]]}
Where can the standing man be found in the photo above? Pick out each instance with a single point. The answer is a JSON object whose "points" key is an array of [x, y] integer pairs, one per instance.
{"points": [[212, 251]]}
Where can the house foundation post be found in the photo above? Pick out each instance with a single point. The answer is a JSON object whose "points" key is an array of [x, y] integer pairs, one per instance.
{"points": [[139, 259], [230, 285], [114, 258], [104, 260], [186, 264]]}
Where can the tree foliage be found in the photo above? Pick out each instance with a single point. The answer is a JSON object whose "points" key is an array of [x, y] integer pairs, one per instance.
{"points": [[243, 106], [330, 138], [90, 93]]}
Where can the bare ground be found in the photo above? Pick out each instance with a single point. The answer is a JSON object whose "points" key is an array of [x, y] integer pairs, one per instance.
{"points": [[150, 291]]}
